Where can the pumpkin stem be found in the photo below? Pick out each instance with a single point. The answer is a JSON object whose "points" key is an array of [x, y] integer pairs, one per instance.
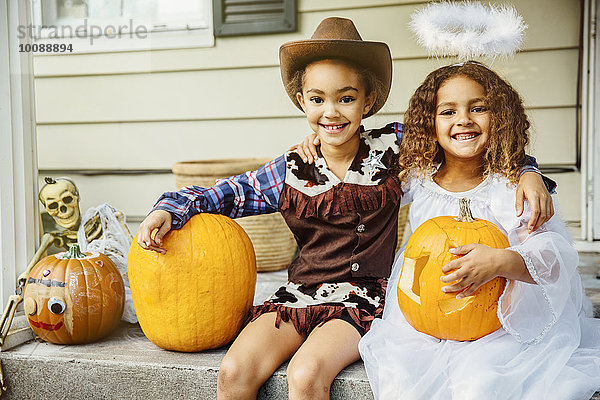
{"points": [[464, 214], [73, 252]]}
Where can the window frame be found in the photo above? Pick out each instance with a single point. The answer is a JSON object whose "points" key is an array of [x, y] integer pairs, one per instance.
{"points": [[159, 36], [19, 208]]}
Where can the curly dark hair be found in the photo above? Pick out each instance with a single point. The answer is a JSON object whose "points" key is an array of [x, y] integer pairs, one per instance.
{"points": [[367, 77], [508, 123]]}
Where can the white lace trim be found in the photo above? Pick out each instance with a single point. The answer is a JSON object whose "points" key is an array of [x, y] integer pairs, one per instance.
{"points": [[536, 278], [433, 190]]}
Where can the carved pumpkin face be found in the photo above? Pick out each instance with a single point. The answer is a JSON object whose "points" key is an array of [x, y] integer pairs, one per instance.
{"points": [[72, 297], [425, 306]]}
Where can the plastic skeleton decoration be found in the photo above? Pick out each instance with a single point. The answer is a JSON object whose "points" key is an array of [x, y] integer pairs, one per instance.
{"points": [[61, 200], [60, 197]]}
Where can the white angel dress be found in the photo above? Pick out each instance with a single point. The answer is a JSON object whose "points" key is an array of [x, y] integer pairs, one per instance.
{"points": [[548, 346]]}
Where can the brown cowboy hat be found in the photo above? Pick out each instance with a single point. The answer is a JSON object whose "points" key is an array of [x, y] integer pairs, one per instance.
{"points": [[336, 38]]}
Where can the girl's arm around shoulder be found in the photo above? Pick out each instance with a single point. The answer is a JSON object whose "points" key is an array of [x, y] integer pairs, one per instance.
{"points": [[533, 186], [307, 149], [530, 165], [250, 193], [536, 188], [399, 129]]}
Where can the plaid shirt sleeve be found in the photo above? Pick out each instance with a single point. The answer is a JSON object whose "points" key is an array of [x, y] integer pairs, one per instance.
{"points": [[251, 193], [531, 165], [399, 129]]}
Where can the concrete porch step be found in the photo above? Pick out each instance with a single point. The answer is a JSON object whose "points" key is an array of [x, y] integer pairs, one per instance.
{"points": [[127, 365]]}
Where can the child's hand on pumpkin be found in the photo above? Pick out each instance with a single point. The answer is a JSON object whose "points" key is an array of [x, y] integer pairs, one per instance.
{"points": [[476, 267], [480, 264], [157, 220], [531, 187], [307, 149]]}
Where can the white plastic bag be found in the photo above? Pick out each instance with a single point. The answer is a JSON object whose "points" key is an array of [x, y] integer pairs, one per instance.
{"points": [[114, 243]]}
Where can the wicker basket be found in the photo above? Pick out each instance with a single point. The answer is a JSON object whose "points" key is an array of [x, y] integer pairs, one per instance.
{"points": [[402, 224], [204, 173], [274, 244]]}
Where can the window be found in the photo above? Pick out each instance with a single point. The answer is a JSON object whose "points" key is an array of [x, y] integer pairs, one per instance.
{"points": [[121, 25], [246, 17]]}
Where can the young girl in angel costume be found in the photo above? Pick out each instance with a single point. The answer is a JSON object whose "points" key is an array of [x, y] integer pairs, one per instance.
{"points": [[465, 131], [342, 210]]}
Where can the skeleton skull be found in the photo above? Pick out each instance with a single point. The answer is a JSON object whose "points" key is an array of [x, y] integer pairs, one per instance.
{"points": [[61, 199]]}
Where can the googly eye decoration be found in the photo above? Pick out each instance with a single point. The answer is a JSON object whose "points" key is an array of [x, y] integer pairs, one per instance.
{"points": [[56, 305]]}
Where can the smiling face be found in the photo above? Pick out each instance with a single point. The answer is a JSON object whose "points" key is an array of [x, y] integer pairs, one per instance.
{"points": [[334, 99], [462, 119], [73, 300], [49, 307]]}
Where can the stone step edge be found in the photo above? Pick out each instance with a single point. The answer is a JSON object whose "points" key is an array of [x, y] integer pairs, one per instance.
{"points": [[89, 378]]}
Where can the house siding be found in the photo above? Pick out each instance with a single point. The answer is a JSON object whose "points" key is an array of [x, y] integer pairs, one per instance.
{"points": [[116, 122]]}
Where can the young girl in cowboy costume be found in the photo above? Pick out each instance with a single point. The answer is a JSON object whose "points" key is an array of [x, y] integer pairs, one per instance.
{"points": [[342, 209]]}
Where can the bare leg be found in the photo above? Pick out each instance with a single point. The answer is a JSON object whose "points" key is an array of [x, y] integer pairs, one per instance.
{"points": [[253, 357], [326, 351]]}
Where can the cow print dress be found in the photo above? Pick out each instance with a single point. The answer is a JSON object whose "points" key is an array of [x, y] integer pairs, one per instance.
{"points": [[346, 233]]}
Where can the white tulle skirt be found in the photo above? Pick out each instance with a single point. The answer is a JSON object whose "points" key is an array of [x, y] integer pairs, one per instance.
{"points": [[403, 363], [548, 346]]}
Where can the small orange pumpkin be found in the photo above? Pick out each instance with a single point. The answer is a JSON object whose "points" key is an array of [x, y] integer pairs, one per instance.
{"points": [[73, 297], [425, 306], [197, 295]]}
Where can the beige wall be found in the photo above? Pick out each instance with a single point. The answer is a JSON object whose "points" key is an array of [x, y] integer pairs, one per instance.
{"points": [[145, 110]]}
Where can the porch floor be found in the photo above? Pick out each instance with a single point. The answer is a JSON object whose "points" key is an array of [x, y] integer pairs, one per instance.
{"points": [[126, 365]]}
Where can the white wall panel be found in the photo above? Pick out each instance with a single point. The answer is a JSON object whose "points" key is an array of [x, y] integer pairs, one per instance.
{"points": [[142, 145], [543, 79], [379, 20], [145, 110], [247, 93], [158, 145], [258, 92], [568, 195], [552, 135]]}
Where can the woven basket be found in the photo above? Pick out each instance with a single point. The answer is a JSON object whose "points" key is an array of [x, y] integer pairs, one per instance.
{"points": [[204, 173], [402, 222], [274, 243]]}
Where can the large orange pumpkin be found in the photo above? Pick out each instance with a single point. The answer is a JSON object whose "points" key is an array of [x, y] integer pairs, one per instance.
{"points": [[425, 306], [73, 297], [197, 295]]}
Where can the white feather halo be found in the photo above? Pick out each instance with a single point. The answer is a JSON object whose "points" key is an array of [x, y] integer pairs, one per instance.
{"points": [[468, 30]]}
